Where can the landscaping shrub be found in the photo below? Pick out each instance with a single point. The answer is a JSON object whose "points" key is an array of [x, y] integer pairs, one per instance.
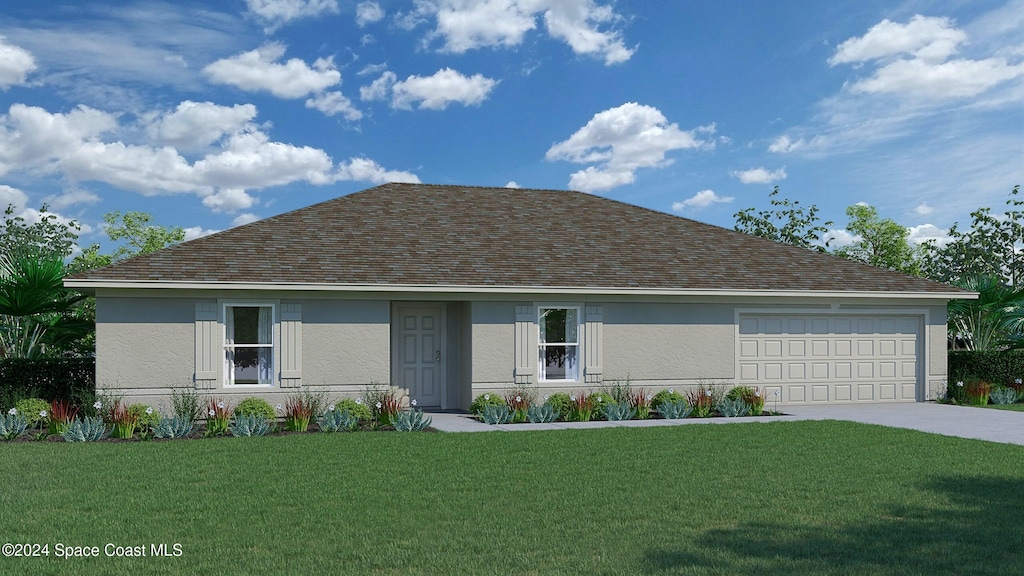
{"points": [[31, 409], [259, 406], [543, 413], [385, 404], [1003, 395], [354, 407], [561, 403], [12, 424], [519, 400], [752, 396], [337, 419], [669, 395], [60, 415], [1000, 366], [187, 404], [412, 421], [976, 391], [88, 429], [477, 407], [619, 411], [174, 427], [218, 417], [599, 400], [641, 401], [70, 379], [494, 414], [249, 425], [581, 407], [674, 409], [702, 400], [733, 408], [145, 417], [123, 421]]}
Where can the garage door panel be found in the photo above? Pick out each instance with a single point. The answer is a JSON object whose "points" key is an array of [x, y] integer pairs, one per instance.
{"points": [[822, 358]]}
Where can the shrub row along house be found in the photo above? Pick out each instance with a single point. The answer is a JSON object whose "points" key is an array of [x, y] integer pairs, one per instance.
{"points": [[452, 291]]}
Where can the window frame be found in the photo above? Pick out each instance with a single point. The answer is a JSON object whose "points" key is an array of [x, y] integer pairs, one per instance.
{"points": [[226, 380], [541, 372]]}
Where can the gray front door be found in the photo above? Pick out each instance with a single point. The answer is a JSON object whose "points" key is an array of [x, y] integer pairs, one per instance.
{"points": [[419, 351]]}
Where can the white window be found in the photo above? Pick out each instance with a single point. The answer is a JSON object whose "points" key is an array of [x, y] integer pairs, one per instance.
{"points": [[248, 345], [559, 344]]}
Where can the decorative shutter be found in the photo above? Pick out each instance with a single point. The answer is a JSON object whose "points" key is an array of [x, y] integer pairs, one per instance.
{"points": [[291, 345], [526, 344], [592, 344], [209, 348]]}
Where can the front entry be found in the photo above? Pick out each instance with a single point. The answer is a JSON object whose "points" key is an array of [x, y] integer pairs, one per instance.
{"points": [[419, 348]]}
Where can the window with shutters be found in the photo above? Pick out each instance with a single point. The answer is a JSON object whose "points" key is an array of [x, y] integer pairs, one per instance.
{"points": [[559, 344], [248, 345]]}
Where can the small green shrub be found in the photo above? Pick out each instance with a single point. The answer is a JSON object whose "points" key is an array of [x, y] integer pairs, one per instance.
{"points": [[619, 390], [88, 429], [581, 407], [218, 417], [412, 421], [123, 421], [619, 411], [12, 424], [977, 391], [187, 404], [355, 407], [733, 408], [494, 414], [641, 401], [173, 427], [146, 417], [337, 420], [600, 400], [561, 403], [669, 395], [674, 409], [702, 400], [519, 400], [249, 425], [751, 395], [254, 405], [542, 414], [60, 416], [1003, 396], [477, 407]]}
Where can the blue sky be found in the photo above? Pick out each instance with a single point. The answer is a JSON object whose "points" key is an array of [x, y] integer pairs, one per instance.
{"points": [[214, 114]]}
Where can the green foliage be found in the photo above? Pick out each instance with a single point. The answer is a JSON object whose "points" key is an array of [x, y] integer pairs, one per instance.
{"points": [[619, 411], [752, 396], [495, 414], [519, 400], [883, 243], [619, 390], [46, 238], [12, 424], [187, 404], [600, 400], [123, 421], [412, 421], [139, 236], [176, 426], [703, 401], [733, 408], [561, 403], [355, 407], [993, 321], [73, 379], [253, 405], [298, 411], [37, 314], [542, 413], [488, 399], [1004, 395], [641, 401], [976, 391], [581, 407], [671, 409], [995, 366], [337, 419], [218, 417], [787, 222], [88, 429], [249, 425], [669, 395], [31, 408], [145, 416], [385, 403]]}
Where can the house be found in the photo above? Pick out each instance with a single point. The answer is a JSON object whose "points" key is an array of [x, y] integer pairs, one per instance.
{"points": [[452, 291]]}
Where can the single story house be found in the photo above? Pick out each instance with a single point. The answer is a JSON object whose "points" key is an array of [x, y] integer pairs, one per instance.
{"points": [[451, 291]]}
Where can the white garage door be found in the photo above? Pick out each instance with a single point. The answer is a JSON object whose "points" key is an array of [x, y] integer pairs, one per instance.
{"points": [[830, 359]]}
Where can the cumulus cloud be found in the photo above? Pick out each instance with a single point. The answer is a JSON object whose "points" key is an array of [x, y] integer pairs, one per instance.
{"points": [[368, 13], [913, 59], [13, 197], [701, 199], [333, 103], [15, 64], [760, 175], [928, 232], [243, 219], [195, 125], [366, 170], [71, 197], [276, 13], [923, 209], [435, 92], [229, 200], [621, 140], [194, 232], [585, 26], [784, 144], [259, 70], [839, 238], [512, 184]]}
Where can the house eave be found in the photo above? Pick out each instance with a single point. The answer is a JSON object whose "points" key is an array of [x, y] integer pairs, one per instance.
{"points": [[89, 286]]}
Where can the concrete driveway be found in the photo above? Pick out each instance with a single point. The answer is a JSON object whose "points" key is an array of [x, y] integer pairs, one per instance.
{"points": [[965, 422]]}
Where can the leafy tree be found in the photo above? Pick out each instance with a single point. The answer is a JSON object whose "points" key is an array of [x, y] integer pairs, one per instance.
{"points": [[46, 237], [883, 242], [38, 316], [992, 322], [787, 222], [993, 246], [139, 235]]}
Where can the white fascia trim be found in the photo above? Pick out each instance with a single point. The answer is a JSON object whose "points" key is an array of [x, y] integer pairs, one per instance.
{"points": [[470, 289]]}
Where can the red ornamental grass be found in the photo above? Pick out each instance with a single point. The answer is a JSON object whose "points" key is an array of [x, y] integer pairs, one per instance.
{"points": [[123, 420], [297, 415], [641, 401], [977, 392], [517, 401], [60, 415]]}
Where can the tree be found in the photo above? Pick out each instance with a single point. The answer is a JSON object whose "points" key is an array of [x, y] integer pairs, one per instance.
{"points": [[141, 238], [787, 222], [883, 242], [37, 314], [47, 236], [993, 246], [992, 322]]}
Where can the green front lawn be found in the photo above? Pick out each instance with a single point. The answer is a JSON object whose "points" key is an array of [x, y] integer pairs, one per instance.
{"points": [[1014, 407], [777, 498]]}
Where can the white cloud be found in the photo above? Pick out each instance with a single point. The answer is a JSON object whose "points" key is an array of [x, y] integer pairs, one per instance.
{"points": [[275, 13], [931, 39], [31, 137], [70, 198], [436, 92], [621, 140], [784, 145], [839, 238], [194, 232], [332, 103], [379, 88], [251, 160], [15, 64], [258, 70], [368, 13], [701, 199], [512, 184], [32, 216], [925, 232], [366, 170], [229, 200], [12, 196], [195, 125], [760, 175], [923, 209], [470, 24], [371, 69], [243, 219]]}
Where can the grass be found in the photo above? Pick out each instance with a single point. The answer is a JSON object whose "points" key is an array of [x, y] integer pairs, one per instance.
{"points": [[1014, 407], [773, 499]]}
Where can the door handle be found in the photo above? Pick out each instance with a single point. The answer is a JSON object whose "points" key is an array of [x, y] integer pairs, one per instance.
{"points": [[437, 356]]}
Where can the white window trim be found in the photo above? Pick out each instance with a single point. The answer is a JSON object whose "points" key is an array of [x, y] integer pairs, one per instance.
{"points": [[274, 380], [579, 343]]}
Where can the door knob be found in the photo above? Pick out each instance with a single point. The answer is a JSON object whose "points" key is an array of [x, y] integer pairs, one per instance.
{"points": [[437, 355]]}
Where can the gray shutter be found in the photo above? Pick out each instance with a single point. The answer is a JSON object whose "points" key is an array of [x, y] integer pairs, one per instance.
{"points": [[593, 344], [525, 344], [291, 345], [209, 348]]}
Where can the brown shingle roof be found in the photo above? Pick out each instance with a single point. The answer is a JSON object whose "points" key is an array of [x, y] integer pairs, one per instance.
{"points": [[413, 234]]}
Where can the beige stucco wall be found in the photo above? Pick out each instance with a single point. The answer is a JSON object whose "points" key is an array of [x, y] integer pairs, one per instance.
{"points": [[937, 337], [345, 342], [492, 338]]}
